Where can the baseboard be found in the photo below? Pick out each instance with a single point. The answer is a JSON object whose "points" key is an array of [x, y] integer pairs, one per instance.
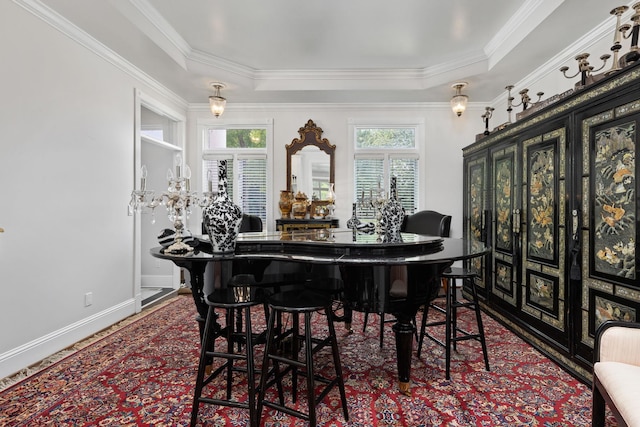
{"points": [[156, 281], [32, 352]]}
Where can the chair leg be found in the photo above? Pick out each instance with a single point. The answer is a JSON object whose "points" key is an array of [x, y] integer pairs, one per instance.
{"points": [[381, 328], [295, 350], [448, 325], [483, 342], [423, 327], [206, 338], [364, 323], [451, 283], [265, 366], [338, 368], [311, 399], [229, 363], [598, 409]]}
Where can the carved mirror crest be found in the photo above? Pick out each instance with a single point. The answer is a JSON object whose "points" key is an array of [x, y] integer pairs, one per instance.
{"points": [[310, 162]]}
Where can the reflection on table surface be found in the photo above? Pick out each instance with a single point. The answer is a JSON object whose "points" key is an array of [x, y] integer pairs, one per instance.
{"points": [[340, 246]]}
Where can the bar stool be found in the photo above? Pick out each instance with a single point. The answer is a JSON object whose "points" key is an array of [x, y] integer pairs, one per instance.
{"points": [[451, 318], [232, 299], [297, 302]]}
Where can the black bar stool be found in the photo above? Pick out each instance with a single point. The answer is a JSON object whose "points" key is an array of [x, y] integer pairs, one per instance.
{"points": [[232, 299], [298, 302], [451, 316]]}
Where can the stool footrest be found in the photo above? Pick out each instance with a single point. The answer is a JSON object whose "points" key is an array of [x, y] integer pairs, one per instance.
{"points": [[223, 402], [434, 339], [437, 308], [466, 337]]}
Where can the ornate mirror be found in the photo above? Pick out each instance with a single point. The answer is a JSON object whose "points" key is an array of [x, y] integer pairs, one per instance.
{"points": [[310, 163]]}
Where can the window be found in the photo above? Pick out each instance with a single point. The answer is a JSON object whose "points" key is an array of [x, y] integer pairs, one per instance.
{"points": [[382, 152], [245, 149]]}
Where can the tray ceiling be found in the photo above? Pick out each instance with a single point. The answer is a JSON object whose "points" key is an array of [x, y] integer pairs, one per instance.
{"points": [[286, 51]]}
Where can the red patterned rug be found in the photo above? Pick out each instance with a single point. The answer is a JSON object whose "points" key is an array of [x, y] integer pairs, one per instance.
{"points": [[142, 374]]}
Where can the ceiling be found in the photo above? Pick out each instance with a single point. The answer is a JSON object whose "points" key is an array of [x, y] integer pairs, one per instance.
{"points": [[338, 51]]}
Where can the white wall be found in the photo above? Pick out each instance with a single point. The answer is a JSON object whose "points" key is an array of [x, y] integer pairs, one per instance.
{"points": [[66, 164], [442, 142], [67, 169]]}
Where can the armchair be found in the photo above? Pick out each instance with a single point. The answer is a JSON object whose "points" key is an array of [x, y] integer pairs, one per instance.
{"points": [[616, 373]]}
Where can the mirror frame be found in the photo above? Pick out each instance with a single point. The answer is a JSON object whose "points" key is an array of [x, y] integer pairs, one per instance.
{"points": [[310, 134]]}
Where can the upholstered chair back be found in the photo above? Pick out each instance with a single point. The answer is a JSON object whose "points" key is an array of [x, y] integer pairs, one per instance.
{"points": [[427, 222]]}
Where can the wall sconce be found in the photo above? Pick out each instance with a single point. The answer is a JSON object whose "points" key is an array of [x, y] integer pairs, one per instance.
{"points": [[459, 101], [216, 102]]}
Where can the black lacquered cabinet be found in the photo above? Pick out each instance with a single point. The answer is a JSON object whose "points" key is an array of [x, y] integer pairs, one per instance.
{"points": [[555, 194]]}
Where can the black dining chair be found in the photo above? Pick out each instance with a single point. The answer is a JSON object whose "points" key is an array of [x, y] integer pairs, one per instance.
{"points": [[425, 222]]}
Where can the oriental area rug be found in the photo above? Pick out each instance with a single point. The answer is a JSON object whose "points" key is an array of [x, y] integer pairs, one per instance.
{"points": [[142, 373]]}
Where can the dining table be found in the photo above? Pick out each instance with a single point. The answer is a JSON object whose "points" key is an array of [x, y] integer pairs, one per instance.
{"points": [[418, 260]]}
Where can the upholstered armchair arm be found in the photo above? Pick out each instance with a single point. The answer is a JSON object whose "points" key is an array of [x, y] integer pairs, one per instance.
{"points": [[618, 342]]}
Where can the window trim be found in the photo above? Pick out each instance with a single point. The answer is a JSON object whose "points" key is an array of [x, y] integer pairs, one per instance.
{"points": [[203, 125], [418, 152]]}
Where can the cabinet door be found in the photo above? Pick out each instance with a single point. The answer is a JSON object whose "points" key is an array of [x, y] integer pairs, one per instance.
{"points": [[475, 213], [610, 285], [504, 203], [543, 282]]}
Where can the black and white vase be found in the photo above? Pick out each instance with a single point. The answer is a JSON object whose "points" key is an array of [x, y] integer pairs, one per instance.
{"points": [[392, 216], [222, 217], [353, 222]]}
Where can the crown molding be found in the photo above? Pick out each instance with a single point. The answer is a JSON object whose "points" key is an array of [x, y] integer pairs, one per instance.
{"points": [[50, 17], [168, 39], [526, 18], [599, 33], [286, 107]]}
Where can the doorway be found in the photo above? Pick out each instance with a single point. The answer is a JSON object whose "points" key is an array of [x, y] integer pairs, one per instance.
{"points": [[159, 137]]}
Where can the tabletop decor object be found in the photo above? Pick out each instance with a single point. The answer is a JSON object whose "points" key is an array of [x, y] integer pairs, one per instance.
{"points": [[353, 222], [300, 206], [285, 203], [331, 199], [375, 201], [222, 217], [392, 215], [178, 200]]}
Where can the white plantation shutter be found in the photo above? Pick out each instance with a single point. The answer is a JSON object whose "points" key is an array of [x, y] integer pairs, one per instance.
{"points": [[380, 153], [252, 186], [406, 173], [244, 146], [369, 175]]}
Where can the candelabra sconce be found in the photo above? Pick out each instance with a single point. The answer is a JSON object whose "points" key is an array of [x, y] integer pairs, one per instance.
{"points": [[209, 195], [634, 53], [375, 201], [178, 200], [488, 112], [525, 100], [619, 33], [585, 69]]}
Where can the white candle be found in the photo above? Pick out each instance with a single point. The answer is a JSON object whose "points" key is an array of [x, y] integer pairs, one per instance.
{"points": [[143, 178]]}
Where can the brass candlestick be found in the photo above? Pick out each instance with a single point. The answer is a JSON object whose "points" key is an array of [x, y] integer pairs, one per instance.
{"points": [[585, 69], [485, 117], [617, 38], [634, 54], [525, 100]]}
